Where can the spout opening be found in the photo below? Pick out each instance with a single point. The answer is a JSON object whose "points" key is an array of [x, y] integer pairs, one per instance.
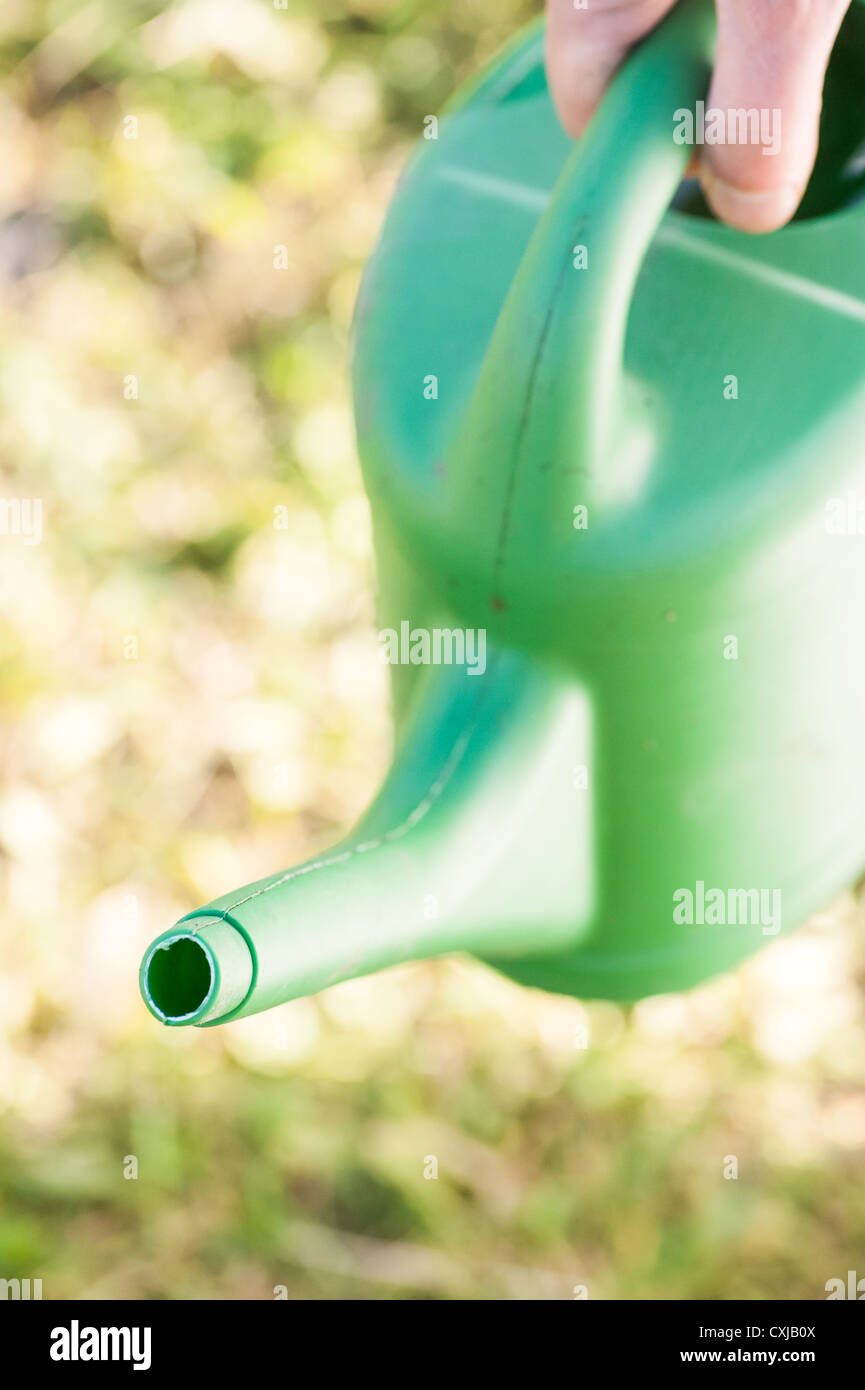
{"points": [[178, 979]]}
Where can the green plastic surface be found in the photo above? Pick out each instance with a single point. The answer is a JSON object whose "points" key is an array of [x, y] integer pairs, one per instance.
{"points": [[701, 394]]}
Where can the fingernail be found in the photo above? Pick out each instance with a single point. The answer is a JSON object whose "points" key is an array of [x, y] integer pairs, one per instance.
{"points": [[751, 212]]}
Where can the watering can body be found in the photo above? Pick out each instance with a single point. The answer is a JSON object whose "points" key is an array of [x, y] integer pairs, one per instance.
{"points": [[614, 451]]}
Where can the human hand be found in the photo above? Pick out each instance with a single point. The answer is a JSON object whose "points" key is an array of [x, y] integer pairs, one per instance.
{"points": [[771, 55]]}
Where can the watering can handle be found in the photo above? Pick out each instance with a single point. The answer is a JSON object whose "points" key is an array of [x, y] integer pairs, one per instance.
{"points": [[550, 383]]}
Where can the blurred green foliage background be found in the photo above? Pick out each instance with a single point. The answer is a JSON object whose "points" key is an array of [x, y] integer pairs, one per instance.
{"points": [[191, 698]]}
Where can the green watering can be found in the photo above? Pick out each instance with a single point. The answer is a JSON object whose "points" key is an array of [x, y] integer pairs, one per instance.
{"points": [[616, 457]]}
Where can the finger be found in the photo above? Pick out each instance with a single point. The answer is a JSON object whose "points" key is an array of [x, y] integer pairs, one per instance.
{"points": [[585, 47], [771, 58]]}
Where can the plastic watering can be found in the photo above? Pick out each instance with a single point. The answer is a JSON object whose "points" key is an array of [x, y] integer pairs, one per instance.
{"points": [[616, 458]]}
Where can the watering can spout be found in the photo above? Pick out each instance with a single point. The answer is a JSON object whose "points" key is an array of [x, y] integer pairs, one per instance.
{"points": [[469, 846]]}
